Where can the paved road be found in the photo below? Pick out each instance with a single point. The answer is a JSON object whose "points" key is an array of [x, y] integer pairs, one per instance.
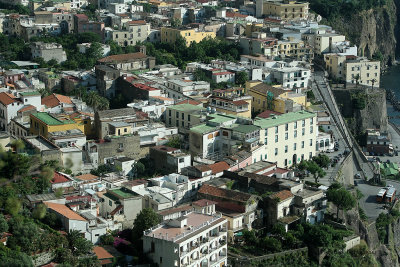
{"points": [[368, 202]]}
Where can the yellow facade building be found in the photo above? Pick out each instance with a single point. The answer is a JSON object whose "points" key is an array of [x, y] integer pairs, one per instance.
{"points": [[170, 35], [42, 123], [253, 27], [275, 98], [286, 10]]}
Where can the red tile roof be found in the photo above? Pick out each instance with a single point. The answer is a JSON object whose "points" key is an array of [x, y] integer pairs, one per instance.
{"points": [[189, 101], [266, 114], [136, 22], [202, 168], [26, 108], [282, 195], [219, 167], [64, 211], [7, 99], [101, 253], [240, 103], [54, 100], [122, 57], [224, 193], [204, 203], [145, 87], [235, 15], [59, 178]]}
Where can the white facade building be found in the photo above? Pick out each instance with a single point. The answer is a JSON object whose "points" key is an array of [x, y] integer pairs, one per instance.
{"points": [[192, 240]]}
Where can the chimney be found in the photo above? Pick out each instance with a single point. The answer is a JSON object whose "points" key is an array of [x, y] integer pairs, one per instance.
{"points": [[142, 49]]}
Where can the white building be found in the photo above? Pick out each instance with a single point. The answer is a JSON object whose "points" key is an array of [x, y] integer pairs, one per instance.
{"points": [[178, 89], [192, 240], [48, 51]]}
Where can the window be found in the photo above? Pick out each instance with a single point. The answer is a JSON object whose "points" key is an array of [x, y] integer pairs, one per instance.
{"points": [[295, 124], [286, 127], [266, 132], [276, 151], [110, 203], [183, 116], [311, 129], [303, 131], [311, 120], [294, 146], [276, 129], [310, 142], [160, 260], [276, 139], [295, 134], [286, 136], [266, 141], [183, 124], [286, 149], [285, 165], [177, 115], [188, 117], [303, 123], [310, 155], [302, 144], [125, 130]]}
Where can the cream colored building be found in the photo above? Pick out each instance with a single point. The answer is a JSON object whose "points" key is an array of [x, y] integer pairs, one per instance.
{"points": [[289, 137], [286, 10], [323, 42], [136, 31], [353, 69], [170, 35]]}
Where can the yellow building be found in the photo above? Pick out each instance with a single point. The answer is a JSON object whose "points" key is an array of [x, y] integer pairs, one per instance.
{"points": [[42, 123], [253, 27], [353, 69], [169, 35], [293, 48], [266, 97], [286, 10]]}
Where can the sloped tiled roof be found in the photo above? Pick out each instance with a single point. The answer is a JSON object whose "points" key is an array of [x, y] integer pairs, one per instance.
{"points": [[282, 195], [224, 193], [122, 57], [64, 211], [26, 108], [7, 99], [267, 113], [54, 100], [59, 178], [219, 167], [101, 253], [204, 203], [189, 101], [263, 89]]}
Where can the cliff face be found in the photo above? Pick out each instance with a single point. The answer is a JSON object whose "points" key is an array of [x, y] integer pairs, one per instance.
{"points": [[373, 31]]}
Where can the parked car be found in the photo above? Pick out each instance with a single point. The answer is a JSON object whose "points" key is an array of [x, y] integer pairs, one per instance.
{"points": [[357, 176]]}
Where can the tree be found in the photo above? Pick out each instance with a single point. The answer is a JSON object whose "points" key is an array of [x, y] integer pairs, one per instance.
{"points": [[241, 78], [146, 219], [107, 239], [3, 224], [39, 212], [322, 160], [13, 206], [13, 258], [78, 244], [25, 236], [139, 168], [174, 142], [342, 198]]}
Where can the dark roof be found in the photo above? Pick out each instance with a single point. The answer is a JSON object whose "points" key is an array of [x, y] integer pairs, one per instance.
{"points": [[261, 179], [263, 89], [176, 209], [224, 193], [123, 58], [204, 203], [219, 167], [282, 195], [116, 112]]}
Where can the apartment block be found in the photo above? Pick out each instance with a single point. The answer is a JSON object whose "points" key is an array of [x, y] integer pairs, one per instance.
{"points": [[170, 35], [285, 10], [289, 138], [324, 43], [184, 116], [231, 101], [194, 239]]}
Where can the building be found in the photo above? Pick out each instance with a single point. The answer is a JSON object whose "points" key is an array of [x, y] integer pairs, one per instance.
{"points": [[48, 51], [266, 97], [231, 101], [82, 24], [353, 69], [183, 116], [191, 240], [132, 61], [325, 42], [284, 9], [289, 138], [137, 31], [170, 35], [106, 80], [379, 143], [43, 123], [132, 90], [182, 89], [122, 205], [69, 219], [168, 159]]}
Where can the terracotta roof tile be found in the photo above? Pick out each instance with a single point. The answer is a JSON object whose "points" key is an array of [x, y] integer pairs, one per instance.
{"points": [[282, 195], [26, 108], [122, 57], [64, 211], [189, 101], [240, 103], [136, 22], [204, 203], [101, 253], [87, 177], [6, 99], [174, 210], [59, 178], [224, 193], [54, 100], [219, 167]]}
